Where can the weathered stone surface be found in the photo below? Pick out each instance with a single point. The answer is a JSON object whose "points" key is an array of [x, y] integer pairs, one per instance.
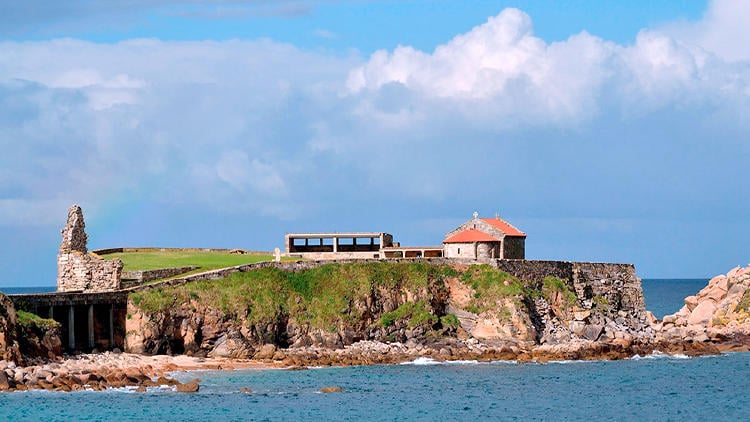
{"points": [[330, 390], [78, 270], [702, 313], [9, 345], [188, 387]]}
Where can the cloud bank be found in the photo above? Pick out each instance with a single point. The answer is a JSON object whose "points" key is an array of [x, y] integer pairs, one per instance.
{"points": [[578, 130]]}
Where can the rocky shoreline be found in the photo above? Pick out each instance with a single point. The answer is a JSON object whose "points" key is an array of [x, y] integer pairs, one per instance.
{"points": [[101, 371], [714, 321]]}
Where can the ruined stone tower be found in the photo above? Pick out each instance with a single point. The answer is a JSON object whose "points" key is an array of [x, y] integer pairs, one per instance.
{"points": [[78, 270], [74, 237]]}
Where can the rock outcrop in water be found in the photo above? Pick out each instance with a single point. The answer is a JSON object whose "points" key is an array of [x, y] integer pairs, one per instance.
{"points": [[719, 313]]}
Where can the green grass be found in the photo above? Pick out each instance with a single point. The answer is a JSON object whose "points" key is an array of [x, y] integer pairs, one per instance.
{"points": [[28, 319], [135, 261], [322, 297], [415, 313], [490, 286]]}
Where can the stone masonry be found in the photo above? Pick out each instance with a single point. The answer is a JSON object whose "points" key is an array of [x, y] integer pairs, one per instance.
{"points": [[79, 270]]}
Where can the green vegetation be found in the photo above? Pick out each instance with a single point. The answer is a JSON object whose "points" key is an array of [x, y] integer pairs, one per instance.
{"points": [[416, 313], [551, 285], [450, 320], [30, 320], [601, 303], [490, 286], [152, 260], [322, 297], [744, 304]]}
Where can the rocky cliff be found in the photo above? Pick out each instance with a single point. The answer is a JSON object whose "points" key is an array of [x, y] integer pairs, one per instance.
{"points": [[271, 312], [26, 336]]}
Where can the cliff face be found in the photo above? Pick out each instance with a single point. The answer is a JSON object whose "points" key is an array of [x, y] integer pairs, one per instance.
{"points": [[330, 306], [335, 305], [719, 313], [24, 335], [9, 348]]}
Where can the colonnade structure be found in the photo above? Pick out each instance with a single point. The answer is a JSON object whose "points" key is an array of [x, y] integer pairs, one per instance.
{"points": [[89, 321], [353, 245]]}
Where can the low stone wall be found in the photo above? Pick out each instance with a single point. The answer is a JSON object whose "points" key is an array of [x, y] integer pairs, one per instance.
{"points": [[144, 276], [108, 251]]}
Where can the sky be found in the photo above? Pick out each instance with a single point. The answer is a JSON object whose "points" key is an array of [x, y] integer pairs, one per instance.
{"points": [[607, 131]]}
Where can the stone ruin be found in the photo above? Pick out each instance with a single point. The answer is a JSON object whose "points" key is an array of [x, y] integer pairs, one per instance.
{"points": [[77, 269]]}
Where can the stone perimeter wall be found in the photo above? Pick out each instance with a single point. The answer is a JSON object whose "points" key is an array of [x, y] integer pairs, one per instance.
{"points": [[144, 276]]}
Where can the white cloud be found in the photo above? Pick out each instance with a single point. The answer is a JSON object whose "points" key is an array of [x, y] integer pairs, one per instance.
{"points": [[243, 174], [723, 30], [272, 129]]}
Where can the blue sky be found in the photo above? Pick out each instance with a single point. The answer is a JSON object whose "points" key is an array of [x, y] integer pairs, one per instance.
{"points": [[608, 130]]}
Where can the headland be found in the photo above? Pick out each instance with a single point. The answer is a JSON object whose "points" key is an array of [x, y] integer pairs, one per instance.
{"points": [[358, 311]]}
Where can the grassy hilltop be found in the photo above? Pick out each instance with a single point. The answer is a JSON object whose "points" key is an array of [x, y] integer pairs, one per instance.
{"points": [[206, 260]]}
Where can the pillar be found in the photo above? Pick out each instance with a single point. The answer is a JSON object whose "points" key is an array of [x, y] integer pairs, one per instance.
{"points": [[71, 328], [51, 312], [91, 326], [112, 326], [335, 244]]}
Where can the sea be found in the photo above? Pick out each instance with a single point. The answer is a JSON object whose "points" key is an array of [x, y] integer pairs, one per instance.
{"points": [[644, 388]]}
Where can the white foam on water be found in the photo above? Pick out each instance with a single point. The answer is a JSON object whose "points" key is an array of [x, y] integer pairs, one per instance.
{"points": [[658, 355], [422, 361]]}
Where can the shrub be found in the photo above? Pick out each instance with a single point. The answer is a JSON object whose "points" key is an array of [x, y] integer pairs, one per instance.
{"points": [[450, 320], [416, 313], [551, 284], [30, 320]]}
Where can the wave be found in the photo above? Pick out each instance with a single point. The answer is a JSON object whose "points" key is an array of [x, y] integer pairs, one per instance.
{"points": [[430, 361], [658, 355]]}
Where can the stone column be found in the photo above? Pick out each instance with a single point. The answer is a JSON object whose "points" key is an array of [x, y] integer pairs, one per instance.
{"points": [[112, 326], [71, 328], [91, 326], [335, 244]]}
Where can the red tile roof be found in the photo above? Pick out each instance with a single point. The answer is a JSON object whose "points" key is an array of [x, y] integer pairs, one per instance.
{"points": [[470, 235], [504, 226]]}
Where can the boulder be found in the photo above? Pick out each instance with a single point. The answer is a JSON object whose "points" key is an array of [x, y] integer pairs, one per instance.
{"points": [[266, 352], [581, 315], [592, 332], [234, 347], [330, 390], [691, 302], [188, 387], [4, 383], [702, 314]]}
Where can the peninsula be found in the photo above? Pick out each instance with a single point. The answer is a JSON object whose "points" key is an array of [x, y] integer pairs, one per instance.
{"points": [[476, 297]]}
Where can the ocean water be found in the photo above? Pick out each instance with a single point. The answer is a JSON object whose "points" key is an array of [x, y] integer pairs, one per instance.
{"points": [[649, 388], [665, 296]]}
